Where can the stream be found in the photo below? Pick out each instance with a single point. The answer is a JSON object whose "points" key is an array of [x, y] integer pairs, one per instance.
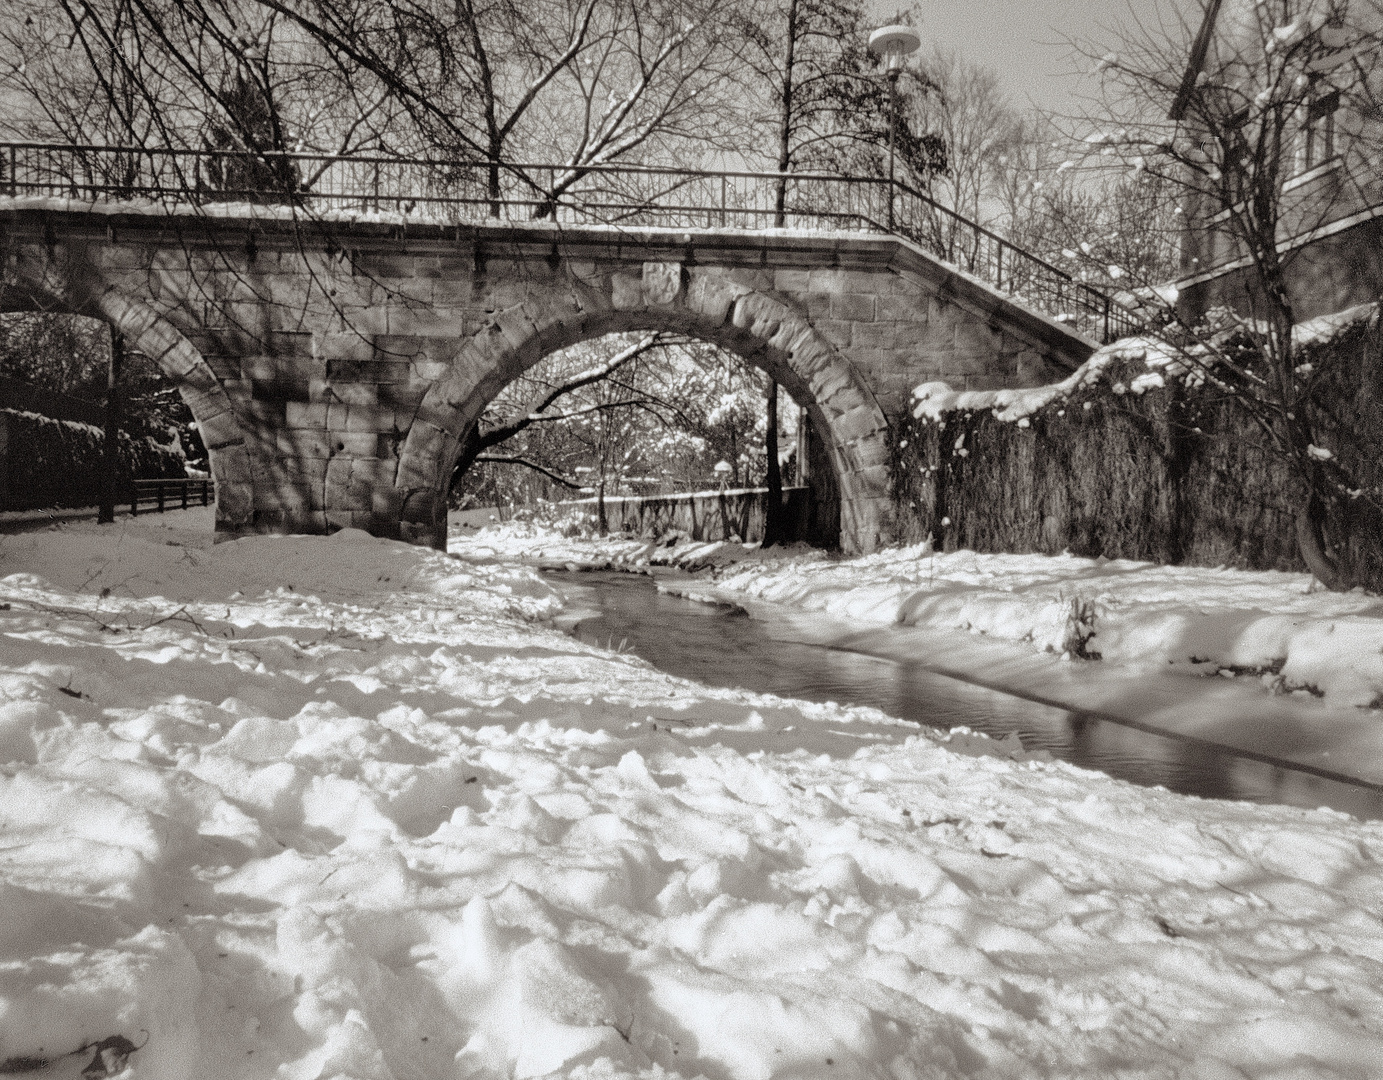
{"points": [[772, 653]]}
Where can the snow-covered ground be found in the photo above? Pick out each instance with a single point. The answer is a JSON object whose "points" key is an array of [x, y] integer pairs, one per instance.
{"points": [[338, 807]]}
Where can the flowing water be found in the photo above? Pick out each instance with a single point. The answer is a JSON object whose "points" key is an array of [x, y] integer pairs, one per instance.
{"points": [[769, 653]]}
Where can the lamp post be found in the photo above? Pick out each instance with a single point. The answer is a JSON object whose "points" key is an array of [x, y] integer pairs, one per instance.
{"points": [[893, 45]]}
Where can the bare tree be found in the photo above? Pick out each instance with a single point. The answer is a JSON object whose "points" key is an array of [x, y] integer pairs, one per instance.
{"points": [[485, 83], [818, 97], [985, 138], [1224, 114]]}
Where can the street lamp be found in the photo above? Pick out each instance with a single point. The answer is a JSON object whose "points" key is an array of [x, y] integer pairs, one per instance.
{"points": [[893, 45]]}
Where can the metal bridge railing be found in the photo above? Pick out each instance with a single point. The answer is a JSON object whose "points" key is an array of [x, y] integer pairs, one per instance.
{"points": [[455, 192]]}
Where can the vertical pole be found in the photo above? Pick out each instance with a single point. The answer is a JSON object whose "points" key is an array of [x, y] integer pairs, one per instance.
{"points": [[803, 435], [892, 135], [110, 457], [184, 494], [160, 496], [722, 200], [14, 172], [773, 501]]}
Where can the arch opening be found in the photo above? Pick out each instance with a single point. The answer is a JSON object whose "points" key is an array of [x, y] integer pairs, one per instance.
{"points": [[849, 429], [653, 415], [146, 332]]}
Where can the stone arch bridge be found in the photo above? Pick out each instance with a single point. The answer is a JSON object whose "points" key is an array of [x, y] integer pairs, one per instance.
{"points": [[334, 367]]}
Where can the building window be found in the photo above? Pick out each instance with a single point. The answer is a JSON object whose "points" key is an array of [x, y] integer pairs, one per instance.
{"points": [[1320, 128]]}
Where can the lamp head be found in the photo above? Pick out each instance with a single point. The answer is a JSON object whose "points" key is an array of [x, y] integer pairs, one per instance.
{"points": [[893, 45]]}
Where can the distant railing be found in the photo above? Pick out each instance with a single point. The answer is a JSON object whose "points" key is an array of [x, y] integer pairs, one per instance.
{"points": [[174, 493], [456, 192]]}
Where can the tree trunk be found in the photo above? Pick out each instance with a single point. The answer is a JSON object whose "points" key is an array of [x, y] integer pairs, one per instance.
{"points": [[1312, 543], [785, 119], [602, 523], [110, 457], [773, 504]]}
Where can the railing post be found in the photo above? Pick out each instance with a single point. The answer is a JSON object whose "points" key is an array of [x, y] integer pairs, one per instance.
{"points": [[14, 172], [1106, 319], [999, 267], [160, 496], [184, 494], [722, 200]]}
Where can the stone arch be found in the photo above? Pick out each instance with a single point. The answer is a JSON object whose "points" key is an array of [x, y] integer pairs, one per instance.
{"points": [[707, 303], [149, 333]]}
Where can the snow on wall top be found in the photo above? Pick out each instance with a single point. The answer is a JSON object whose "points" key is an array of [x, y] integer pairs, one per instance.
{"points": [[933, 400]]}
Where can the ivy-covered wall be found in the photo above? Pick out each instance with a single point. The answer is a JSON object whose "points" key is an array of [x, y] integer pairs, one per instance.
{"points": [[49, 464], [1176, 474]]}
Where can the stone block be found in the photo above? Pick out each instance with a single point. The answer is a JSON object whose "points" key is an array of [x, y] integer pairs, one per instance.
{"points": [[854, 307], [760, 315], [754, 278], [791, 281], [259, 368], [234, 503], [373, 472], [349, 393], [959, 364], [859, 422], [834, 280], [371, 418], [378, 264], [450, 268], [517, 325], [369, 370], [355, 444], [445, 317], [219, 430], [869, 361], [385, 502], [305, 414], [440, 417], [402, 395], [413, 350], [872, 335], [908, 307], [712, 295], [305, 443], [498, 294], [939, 339], [974, 338], [224, 367], [264, 414]]}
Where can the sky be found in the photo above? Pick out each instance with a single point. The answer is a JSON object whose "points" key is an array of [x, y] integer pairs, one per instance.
{"points": [[1025, 41]]}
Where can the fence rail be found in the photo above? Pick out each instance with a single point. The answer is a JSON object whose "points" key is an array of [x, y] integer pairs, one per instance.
{"points": [[176, 493], [457, 192]]}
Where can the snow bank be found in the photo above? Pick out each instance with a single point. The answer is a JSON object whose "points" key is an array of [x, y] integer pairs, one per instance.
{"points": [[337, 807], [1136, 614], [1139, 615]]}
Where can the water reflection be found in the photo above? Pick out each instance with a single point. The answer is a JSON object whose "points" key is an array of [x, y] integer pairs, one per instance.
{"points": [[722, 647]]}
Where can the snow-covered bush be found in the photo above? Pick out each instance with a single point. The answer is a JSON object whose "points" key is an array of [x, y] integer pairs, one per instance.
{"points": [[1136, 457]]}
